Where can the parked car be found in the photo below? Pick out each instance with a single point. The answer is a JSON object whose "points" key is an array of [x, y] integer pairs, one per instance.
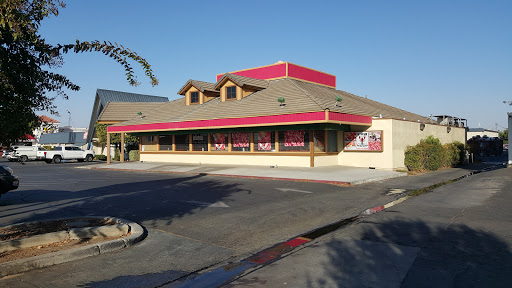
{"points": [[24, 153], [8, 181], [8, 154], [68, 153]]}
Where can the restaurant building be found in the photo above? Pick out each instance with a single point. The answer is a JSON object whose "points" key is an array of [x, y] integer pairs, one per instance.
{"points": [[281, 114]]}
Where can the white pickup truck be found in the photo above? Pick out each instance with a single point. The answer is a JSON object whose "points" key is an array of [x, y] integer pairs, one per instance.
{"points": [[68, 153]]}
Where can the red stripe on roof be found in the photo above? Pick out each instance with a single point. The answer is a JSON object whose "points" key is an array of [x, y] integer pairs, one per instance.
{"points": [[350, 118], [261, 120]]}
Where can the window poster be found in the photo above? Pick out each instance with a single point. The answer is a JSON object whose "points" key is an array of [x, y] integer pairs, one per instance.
{"points": [[240, 139], [219, 141], [294, 138], [264, 140], [363, 141]]}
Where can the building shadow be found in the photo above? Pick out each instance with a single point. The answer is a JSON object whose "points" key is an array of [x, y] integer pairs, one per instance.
{"points": [[404, 253]]}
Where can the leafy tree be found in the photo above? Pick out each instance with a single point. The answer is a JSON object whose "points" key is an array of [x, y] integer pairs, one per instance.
{"points": [[115, 138], [26, 82], [504, 134]]}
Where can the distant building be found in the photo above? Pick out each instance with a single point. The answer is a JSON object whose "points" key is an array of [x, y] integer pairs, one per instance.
{"points": [[48, 126], [481, 132], [64, 138]]}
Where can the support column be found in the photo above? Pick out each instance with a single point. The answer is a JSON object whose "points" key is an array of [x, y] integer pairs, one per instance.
{"points": [[122, 148], [108, 148], [311, 149]]}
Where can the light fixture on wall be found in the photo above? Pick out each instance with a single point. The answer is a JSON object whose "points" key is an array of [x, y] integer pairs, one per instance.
{"points": [[140, 115], [281, 101], [422, 126], [448, 129]]}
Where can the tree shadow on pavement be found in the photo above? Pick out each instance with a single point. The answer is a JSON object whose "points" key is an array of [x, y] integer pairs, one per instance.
{"points": [[164, 199], [403, 253]]}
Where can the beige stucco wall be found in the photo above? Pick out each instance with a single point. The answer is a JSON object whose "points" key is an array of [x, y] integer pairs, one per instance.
{"points": [[223, 159], [330, 160], [408, 133], [397, 135], [381, 160]]}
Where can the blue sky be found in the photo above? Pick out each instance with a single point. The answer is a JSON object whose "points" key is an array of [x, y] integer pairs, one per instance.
{"points": [[426, 57]]}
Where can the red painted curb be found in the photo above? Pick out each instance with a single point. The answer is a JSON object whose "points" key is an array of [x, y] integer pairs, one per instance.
{"points": [[276, 251]]}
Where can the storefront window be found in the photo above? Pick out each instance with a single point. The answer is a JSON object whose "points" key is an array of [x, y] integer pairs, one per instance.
{"points": [[264, 141], [319, 140], [182, 142], [165, 142], [294, 140], [219, 141], [240, 141], [149, 143], [332, 141], [200, 142]]}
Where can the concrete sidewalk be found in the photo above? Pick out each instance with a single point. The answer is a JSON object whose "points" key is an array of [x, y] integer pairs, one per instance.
{"points": [[342, 175]]}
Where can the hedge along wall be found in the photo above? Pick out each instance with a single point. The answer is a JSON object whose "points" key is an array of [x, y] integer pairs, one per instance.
{"points": [[429, 154]]}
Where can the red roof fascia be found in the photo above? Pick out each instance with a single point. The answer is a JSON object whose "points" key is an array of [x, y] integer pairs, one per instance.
{"points": [[286, 69], [241, 122]]}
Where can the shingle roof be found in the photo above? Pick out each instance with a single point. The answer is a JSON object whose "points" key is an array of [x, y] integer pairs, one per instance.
{"points": [[47, 119], [242, 81], [104, 96], [201, 85], [76, 138], [122, 111], [118, 96], [299, 97]]}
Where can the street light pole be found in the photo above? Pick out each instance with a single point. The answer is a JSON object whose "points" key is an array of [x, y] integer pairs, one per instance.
{"points": [[509, 126]]}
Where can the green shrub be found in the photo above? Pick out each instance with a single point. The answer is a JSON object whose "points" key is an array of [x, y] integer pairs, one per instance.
{"points": [[48, 147], [432, 150], [450, 155], [429, 154], [414, 158], [100, 157], [462, 151], [134, 155], [117, 155]]}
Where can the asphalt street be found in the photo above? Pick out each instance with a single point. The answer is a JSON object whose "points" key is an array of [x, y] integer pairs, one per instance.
{"points": [[193, 221]]}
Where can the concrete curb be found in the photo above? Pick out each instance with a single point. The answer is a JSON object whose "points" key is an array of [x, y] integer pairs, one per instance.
{"points": [[45, 260]]}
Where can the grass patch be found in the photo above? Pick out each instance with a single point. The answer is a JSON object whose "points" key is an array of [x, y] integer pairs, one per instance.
{"points": [[431, 187]]}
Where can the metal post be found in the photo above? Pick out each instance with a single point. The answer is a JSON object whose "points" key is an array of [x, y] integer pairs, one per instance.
{"points": [[509, 126], [122, 148], [108, 148]]}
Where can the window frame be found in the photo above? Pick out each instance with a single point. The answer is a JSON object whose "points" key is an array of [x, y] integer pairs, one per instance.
{"points": [[191, 97], [227, 93]]}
